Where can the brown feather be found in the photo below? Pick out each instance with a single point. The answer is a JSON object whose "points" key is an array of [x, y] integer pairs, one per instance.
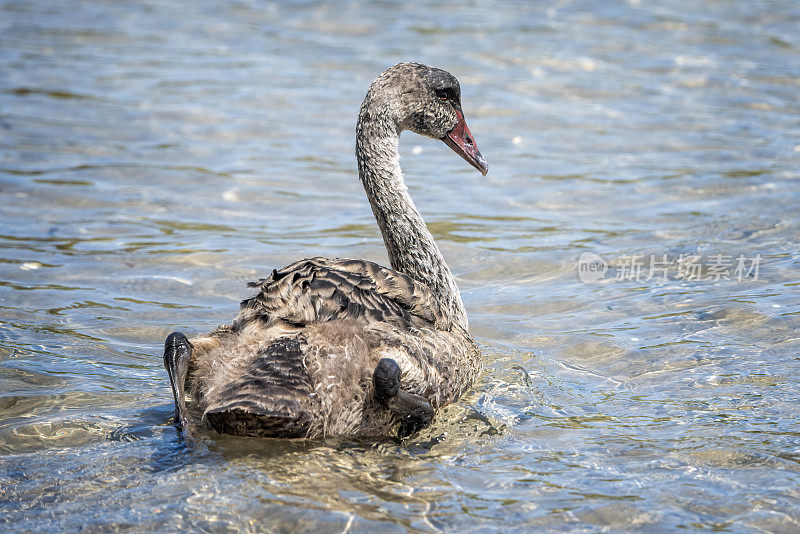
{"points": [[299, 357], [298, 360]]}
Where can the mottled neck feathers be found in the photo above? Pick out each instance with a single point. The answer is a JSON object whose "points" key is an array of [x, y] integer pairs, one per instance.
{"points": [[410, 245]]}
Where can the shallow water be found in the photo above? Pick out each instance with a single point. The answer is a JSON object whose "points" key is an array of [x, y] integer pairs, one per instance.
{"points": [[155, 157]]}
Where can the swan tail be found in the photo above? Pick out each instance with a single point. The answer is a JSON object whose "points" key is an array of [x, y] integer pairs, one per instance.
{"points": [[270, 399]]}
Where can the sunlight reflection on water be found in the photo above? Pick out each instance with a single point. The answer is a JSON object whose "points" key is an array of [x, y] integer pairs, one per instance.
{"points": [[156, 157]]}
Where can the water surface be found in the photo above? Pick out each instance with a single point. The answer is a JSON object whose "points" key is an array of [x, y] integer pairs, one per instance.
{"points": [[156, 156]]}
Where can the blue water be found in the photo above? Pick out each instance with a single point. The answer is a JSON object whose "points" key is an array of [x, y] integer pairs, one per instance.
{"points": [[155, 156]]}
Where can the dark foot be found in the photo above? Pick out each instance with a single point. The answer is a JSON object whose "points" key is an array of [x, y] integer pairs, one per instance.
{"points": [[386, 379], [413, 411], [177, 351]]}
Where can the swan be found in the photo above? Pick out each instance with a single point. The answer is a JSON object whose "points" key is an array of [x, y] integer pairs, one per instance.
{"points": [[346, 346]]}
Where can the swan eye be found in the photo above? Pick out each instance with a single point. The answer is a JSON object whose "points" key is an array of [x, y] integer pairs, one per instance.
{"points": [[442, 95]]}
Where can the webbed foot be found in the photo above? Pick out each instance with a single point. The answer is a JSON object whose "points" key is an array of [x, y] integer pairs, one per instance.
{"points": [[413, 411], [177, 352]]}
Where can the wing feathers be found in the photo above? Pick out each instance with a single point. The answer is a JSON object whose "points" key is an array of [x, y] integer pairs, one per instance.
{"points": [[321, 289]]}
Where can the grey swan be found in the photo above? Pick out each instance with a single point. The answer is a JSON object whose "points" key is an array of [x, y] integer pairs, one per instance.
{"points": [[344, 346]]}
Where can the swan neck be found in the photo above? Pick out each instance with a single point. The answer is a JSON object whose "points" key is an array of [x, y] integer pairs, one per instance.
{"points": [[410, 245]]}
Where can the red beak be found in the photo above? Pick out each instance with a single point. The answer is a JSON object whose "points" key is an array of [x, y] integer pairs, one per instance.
{"points": [[461, 141]]}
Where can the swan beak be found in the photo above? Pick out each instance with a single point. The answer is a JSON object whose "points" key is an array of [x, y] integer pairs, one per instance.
{"points": [[462, 142]]}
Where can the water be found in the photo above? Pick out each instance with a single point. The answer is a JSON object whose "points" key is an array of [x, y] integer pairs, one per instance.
{"points": [[155, 156]]}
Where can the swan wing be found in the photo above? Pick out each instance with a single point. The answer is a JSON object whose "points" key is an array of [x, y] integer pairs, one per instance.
{"points": [[322, 289]]}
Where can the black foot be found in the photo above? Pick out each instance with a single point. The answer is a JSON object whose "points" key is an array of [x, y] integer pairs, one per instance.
{"points": [[386, 379], [413, 411], [177, 351]]}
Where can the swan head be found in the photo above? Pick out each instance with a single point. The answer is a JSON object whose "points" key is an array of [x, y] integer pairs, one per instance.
{"points": [[427, 101]]}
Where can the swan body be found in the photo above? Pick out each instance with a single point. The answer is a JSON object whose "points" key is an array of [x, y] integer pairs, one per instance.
{"points": [[346, 346]]}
